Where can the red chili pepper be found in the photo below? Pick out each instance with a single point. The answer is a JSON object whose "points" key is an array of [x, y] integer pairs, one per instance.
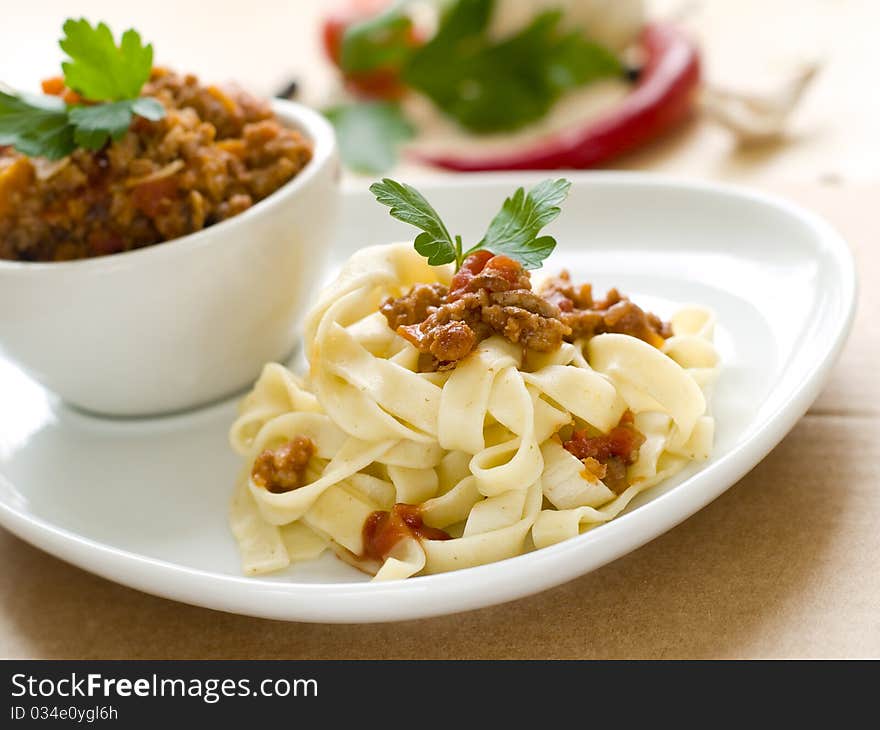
{"points": [[664, 95]]}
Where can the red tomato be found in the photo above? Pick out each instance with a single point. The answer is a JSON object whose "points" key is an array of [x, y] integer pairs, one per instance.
{"points": [[382, 83]]}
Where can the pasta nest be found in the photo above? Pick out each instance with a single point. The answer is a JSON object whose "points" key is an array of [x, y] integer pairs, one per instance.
{"points": [[476, 446]]}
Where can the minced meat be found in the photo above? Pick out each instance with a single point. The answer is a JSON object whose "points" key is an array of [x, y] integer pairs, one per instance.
{"points": [[415, 307], [524, 317], [616, 313], [485, 271], [283, 469], [216, 152], [488, 295], [492, 295]]}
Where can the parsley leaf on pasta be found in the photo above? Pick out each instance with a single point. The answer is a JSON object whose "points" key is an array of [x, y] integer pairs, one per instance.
{"points": [[513, 232], [98, 69], [409, 205]]}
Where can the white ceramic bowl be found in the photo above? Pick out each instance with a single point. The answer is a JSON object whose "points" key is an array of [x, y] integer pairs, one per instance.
{"points": [[180, 323]]}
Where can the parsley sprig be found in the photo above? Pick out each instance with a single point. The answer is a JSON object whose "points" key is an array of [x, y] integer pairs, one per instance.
{"points": [[379, 41], [35, 125], [369, 133], [512, 232], [107, 75], [485, 84]]}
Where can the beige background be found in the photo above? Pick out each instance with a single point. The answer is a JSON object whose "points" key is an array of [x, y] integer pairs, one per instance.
{"points": [[783, 564]]}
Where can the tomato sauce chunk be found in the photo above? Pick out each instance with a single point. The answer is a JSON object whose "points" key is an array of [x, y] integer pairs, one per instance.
{"points": [[383, 530], [615, 450]]}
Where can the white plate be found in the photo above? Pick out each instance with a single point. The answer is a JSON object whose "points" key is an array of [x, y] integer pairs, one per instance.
{"points": [[143, 502]]}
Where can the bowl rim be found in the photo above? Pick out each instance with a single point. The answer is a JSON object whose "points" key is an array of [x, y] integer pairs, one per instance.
{"points": [[292, 114]]}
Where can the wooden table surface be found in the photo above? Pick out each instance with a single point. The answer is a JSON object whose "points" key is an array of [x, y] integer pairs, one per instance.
{"points": [[783, 564]]}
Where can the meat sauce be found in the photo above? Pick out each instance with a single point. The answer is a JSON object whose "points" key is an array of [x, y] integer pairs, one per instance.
{"points": [[283, 469], [216, 152], [606, 456], [484, 270], [383, 530], [488, 295], [492, 294], [587, 317]]}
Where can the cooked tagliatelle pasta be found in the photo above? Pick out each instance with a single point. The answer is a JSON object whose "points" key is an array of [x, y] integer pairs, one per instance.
{"points": [[447, 422]]}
